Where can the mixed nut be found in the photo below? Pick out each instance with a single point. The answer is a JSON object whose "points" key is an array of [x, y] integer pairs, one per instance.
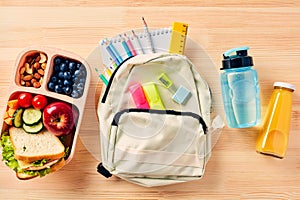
{"points": [[32, 72]]}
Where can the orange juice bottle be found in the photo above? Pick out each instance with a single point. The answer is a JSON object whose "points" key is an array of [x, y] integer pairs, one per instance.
{"points": [[274, 135]]}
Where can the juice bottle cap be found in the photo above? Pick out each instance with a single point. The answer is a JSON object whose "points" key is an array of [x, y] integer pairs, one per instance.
{"points": [[284, 85]]}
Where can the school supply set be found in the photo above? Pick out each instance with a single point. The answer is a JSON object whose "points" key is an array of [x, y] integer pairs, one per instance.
{"points": [[136, 42], [154, 112]]}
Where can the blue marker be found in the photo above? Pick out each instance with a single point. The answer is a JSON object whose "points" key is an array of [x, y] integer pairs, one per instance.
{"points": [[113, 49], [111, 53], [125, 46]]}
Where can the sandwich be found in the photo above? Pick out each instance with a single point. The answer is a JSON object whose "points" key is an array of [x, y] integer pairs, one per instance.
{"points": [[32, 155]]}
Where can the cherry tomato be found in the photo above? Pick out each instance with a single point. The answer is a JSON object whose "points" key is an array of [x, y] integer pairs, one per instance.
{"points": [[25, 99], [39, 102]]}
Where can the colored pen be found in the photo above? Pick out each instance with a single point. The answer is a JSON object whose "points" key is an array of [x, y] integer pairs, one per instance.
{"points": [[108, 71], [113, 63], [115, 52], [102, 77], [139, 49], [148, 36], [124, 44], [111, 53], [129, 44], [105, 81]]}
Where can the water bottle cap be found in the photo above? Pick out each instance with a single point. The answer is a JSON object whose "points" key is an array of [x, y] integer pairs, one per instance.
{"points": [[240, 59], [284, 85]]}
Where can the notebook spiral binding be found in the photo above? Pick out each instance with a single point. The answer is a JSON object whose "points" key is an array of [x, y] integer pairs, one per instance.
{"points": [[160, 39]]}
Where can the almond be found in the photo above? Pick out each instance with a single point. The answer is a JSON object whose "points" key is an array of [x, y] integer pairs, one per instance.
{"points": [[36, 84], [27, 77], [38, 58], [22, 70], [27, 84], [36, 65], [41, 72], [33, 80], [29, 59], [37, 75]]}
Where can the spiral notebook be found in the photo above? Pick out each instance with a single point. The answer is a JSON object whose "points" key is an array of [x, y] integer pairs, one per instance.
{"points": [[160, 39]]}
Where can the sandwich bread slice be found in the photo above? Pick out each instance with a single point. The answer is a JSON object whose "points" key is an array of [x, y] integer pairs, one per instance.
{"points": [[32, 155], [33, 147]]}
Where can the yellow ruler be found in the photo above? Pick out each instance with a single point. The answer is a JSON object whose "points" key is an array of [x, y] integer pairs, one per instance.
{"points": [[178, 37]]}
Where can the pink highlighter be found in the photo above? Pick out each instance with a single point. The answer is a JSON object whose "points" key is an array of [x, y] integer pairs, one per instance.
{"points": [[138, 96]]}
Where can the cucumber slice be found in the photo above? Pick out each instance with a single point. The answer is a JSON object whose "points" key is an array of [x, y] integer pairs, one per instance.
{"points": [[34, 128], [32, 116], [17, 118]]}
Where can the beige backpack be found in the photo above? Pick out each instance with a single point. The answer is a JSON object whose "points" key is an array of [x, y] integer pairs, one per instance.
{"points": [[156, 146]]}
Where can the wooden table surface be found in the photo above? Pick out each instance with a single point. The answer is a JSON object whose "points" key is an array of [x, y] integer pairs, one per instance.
{"points": [[235, 170]]}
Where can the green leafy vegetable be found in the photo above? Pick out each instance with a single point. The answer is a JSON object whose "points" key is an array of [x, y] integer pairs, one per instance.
{"points": [[39, 163], [67, 152], [8, 153]]}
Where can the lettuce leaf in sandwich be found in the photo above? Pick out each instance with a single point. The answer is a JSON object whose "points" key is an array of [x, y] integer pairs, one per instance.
{"points": [[11, 162]]}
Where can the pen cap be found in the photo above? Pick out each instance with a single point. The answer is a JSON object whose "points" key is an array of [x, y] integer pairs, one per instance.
{"points": [[240, 59]]}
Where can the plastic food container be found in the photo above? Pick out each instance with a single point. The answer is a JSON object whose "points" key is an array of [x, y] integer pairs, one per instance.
{"points": [[47, 58]]}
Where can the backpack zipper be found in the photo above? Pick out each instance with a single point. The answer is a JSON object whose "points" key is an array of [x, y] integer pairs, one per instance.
{"points": [[111, 80], [118, 115]]}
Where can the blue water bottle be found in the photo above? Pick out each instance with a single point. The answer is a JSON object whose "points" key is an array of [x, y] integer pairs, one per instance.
{"points": [[240, 89]]}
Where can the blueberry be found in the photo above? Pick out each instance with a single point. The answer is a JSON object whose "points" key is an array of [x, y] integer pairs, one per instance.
{"points": [[67, 61], [68, 90], [56, 68], [63, 67], [82, 68], [67, 83], [77, 73], [72, 66], [58, 89], [54, 79], [60, 82], [61, 75], [57, 60], [83, 73], [74, 94], [78, 65], [51, 86], [80, 86], [76, 80], [80, 91], [82, 80], [67, 75]]}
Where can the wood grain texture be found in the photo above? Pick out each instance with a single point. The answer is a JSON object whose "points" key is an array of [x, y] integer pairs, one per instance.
{"points": [[235, 171]]}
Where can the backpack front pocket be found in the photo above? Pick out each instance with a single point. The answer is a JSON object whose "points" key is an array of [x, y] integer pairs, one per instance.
{"points": [[159, 143]]}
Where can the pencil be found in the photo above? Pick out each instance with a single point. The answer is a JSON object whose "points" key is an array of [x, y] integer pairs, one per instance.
{"points": [[148, 35], [139, 49]]}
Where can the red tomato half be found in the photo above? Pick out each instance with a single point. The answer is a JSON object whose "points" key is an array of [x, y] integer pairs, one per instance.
{"points": [[25, 99], [39, 102]]}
